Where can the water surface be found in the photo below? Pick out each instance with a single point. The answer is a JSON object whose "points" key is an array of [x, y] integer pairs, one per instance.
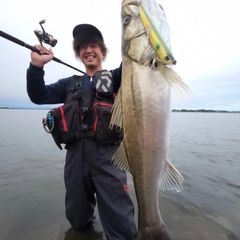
{"points": [[204, 148]]}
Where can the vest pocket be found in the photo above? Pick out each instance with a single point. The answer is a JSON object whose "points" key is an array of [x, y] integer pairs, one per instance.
{"points": [[102, 113], [66, 123]]}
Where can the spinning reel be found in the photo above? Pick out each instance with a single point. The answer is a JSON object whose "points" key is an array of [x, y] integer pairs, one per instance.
{"points": [[44, 37]]}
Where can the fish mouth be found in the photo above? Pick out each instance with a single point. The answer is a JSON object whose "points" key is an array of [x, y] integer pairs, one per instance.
{"points": [[138, 34]]}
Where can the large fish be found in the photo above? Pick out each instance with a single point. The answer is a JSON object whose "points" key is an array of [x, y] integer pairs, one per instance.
{"points": [[142, 108]]}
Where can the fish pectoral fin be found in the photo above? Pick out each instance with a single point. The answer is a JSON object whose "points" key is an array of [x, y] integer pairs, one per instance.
{"points": [[120, 158], [116, 118], [172, 178], [173, 78]]}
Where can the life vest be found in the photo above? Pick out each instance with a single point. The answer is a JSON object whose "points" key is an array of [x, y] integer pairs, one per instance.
{"points": [[86, 112]]}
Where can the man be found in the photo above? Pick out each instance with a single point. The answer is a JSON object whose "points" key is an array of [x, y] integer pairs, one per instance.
{"points": [[88, 169]]}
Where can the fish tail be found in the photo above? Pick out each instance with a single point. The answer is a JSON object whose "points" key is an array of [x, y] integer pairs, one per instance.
{"points": [[153, 233]]}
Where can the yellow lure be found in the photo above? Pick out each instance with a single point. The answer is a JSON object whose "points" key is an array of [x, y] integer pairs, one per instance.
{"points": [[158, 44]]}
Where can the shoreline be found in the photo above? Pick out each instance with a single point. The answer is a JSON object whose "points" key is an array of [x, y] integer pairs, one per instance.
{"points": [[173, 110]]}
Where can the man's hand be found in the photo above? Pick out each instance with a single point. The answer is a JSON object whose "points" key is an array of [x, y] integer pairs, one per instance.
{"points": [[45, 56]]}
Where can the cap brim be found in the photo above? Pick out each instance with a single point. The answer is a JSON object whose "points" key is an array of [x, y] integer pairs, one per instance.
{"points": [[87, 30]]}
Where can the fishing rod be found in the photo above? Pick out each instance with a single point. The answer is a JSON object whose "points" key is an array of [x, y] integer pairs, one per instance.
{"points": [[43, 37]]}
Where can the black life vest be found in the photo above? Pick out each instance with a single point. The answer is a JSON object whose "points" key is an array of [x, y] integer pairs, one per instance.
{"points": [[86, 112]]}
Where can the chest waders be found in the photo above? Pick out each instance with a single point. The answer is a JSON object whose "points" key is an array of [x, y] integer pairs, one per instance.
{"points": [[89, 176], [86, 112]]}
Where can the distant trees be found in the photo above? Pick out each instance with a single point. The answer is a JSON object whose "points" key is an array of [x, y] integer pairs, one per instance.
{"points": [[204, 110]]}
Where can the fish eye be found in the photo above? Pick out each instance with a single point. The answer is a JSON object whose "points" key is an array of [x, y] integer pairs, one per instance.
{"points": [[127, 20]]}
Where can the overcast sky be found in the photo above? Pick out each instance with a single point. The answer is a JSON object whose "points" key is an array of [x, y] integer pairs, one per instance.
{"points": [[204, 34]]}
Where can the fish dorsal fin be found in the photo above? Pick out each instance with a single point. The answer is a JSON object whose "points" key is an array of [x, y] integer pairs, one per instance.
{"points": [[120, 158], [172, 178], [116, 118], [173, 78]]}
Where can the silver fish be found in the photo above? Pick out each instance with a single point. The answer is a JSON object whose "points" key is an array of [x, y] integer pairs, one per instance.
{"points": [[143, 108]]}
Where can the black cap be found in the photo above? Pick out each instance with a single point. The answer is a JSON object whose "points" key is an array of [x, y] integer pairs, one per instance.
{"points": [[87, 31]]}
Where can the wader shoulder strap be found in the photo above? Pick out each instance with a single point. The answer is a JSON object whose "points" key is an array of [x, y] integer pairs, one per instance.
{"points": [[74, 84], [103, 82]]}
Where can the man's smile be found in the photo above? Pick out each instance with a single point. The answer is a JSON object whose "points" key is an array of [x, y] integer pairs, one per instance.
{"points": [[90, 57]]}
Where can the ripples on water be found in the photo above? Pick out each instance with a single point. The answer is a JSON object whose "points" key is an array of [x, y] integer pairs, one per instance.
{"points": [[204, 147]]}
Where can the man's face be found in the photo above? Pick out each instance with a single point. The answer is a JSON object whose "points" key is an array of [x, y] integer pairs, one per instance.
{"points": [[91, 55]]}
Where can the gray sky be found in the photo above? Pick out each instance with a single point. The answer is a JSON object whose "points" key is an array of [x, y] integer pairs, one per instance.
{"points": [[204, 35]]}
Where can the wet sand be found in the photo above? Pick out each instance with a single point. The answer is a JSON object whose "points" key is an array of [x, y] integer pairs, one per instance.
{"points": [[44, 218], [185, 224], [182, 223]]}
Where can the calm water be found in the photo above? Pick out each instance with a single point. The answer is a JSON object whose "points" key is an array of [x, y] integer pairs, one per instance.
{"points": [[205, 147]]}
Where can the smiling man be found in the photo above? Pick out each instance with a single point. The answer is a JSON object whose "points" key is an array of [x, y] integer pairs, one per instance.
{"points": [[88, 173], [89, 46]]}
